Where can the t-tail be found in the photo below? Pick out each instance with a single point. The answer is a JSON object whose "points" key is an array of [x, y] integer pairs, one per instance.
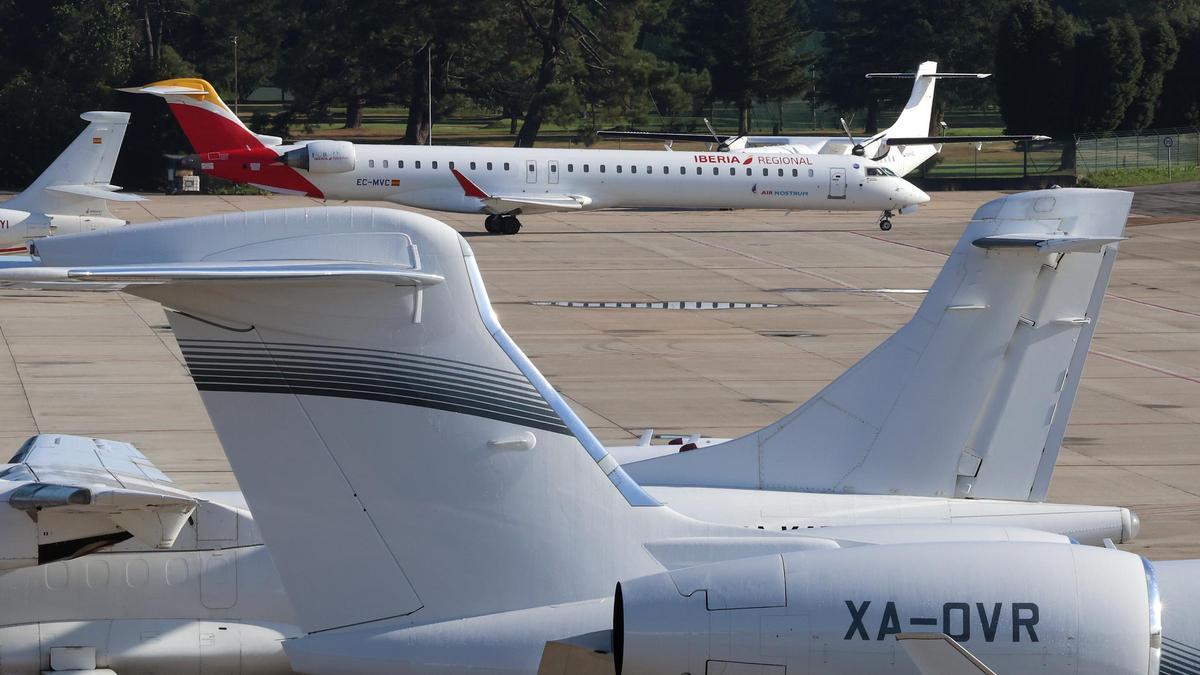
{"points": [[72, 194], [971, 397], [405, 461], [223, 145]]}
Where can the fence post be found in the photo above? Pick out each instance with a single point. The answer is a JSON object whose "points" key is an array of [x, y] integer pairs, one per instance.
{"points": [[1025, 160], [1137, 151]]}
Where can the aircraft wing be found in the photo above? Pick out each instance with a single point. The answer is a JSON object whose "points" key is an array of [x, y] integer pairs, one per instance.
{"points": [[501, 203], [84, 493], [938, 654], [22, 274], [106, 192]]}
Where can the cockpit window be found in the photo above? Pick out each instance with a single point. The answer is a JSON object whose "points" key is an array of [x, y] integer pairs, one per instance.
{"points": [[880, 171], [872, 171]]}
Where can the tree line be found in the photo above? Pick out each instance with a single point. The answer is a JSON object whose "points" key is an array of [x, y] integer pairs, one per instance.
{"points": [[1062, 66]]}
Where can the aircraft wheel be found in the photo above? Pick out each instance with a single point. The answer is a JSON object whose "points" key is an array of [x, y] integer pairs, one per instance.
{"points": [[885, 224], [492, 224], [509, 225]]}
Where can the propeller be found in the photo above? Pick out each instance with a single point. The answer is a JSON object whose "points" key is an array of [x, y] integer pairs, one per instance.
{"points": [[722, 145], [858, 148]]}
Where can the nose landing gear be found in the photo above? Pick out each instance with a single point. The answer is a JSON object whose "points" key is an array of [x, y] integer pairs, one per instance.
{"points": [[502, 224], [885, 221]]}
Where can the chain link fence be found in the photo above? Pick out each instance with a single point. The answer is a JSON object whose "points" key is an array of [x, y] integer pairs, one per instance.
{"points": [[1148, 149]]}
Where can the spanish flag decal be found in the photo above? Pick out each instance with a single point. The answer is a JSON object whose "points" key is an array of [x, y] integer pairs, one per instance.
{"points": [[395, 182], [96, 140]]}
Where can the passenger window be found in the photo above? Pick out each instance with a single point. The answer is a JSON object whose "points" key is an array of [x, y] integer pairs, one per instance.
{"points": [[633, 169], [385, 164], [732, 171], [489, 166], [472, 166], [586, 168], [553, 168], [417, 163], [451, 166], [682, 170], [697, 171], [400, 163], [716, 171], [810, 173], [371, 163], [434, 164], [649, 169], [766, 172], [781, 173], [601, 168], [749, 171], [666, 169], [795, 173], [570, 168], [506, 166]]}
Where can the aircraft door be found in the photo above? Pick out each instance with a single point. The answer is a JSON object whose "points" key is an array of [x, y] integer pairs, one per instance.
{"points": [[218, 579], [837, 183], [530, 171], [552, 171]]}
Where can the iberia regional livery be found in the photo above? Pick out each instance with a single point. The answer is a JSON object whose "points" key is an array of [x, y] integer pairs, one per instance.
{"points": [[504, 183]]}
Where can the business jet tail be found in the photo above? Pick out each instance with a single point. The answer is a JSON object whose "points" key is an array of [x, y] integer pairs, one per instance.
{"points": [[77, 183], [402, 457], [208, 123], [972, 396]]}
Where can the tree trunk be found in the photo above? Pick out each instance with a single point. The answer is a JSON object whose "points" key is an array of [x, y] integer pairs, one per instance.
{"points": [[744, 118], [511, 113], [872, 117], [417, 131], [551, 38], [1069, 151], [354, 110]]}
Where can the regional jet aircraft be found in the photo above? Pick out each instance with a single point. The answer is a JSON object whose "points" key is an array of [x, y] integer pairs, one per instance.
{"points": [[902, 147], [71, 195], [504, 183], [433, 505]]}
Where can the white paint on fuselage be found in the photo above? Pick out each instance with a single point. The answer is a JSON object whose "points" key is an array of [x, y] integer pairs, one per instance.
{"points": [[421, 176]]}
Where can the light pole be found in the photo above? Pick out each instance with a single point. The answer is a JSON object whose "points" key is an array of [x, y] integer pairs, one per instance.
{"points": [[235, 75]]}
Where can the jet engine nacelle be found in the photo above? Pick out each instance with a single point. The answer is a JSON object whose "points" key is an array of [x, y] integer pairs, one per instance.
{"points": [[322, 157], [77, 224], [1018, 607]]}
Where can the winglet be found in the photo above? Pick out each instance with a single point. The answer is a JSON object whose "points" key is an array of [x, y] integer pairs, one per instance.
{"points": [[469, 189]]}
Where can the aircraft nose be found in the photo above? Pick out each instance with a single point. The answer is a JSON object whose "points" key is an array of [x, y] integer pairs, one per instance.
{"points": [[912, 194]]}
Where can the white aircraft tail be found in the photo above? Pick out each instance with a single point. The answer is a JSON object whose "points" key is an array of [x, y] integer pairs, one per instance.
{"points": [[77, 183], [403, 459], [971, 397]]}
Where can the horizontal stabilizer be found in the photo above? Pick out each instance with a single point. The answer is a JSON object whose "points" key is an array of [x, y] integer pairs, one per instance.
{"points": [[270, 140], [282, 270], [97, 484], [939, 654], [1047, 243], [106, 192], [939, 140], [937, 76], [164, 90]]}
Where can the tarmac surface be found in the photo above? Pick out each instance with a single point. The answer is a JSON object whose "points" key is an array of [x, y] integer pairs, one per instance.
{"points": [[105, 364]]}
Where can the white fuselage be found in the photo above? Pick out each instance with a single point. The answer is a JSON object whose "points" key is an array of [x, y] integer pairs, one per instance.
{"points": [[421, 176]]}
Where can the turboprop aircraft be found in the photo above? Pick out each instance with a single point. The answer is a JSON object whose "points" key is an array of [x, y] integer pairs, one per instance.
{"points": [[71, 195], [902, 147], [505, 183], [433, 505]]}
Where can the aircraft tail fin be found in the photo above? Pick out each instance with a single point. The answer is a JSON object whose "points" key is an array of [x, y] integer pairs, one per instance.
{"points": [[77, 182], [208, 123], [401, 456], [969, 398]]}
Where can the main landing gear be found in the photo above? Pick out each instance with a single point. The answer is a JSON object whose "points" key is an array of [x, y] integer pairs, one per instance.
{"points": [[885, 221], [498, 224]]}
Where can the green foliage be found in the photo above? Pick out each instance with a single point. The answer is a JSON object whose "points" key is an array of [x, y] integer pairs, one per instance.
{"points": [[1114, 178], [751, 50], [1160, 50], [58, 58]]}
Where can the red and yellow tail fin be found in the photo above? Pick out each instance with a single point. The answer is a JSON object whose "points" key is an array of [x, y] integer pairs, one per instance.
{"points": [[207, 122]]}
